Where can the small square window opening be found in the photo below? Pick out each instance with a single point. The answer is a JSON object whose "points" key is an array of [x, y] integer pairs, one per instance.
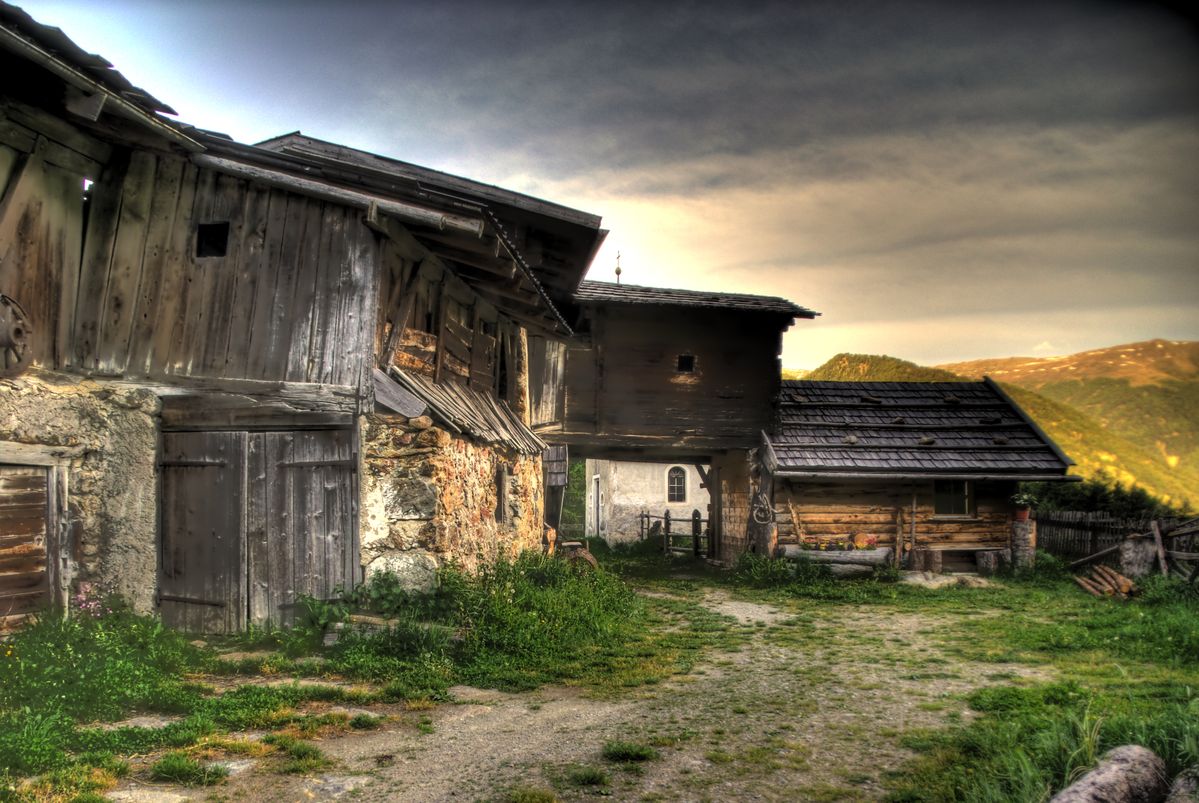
{"points": [[953, 498], [686, 364], [212, 239]]}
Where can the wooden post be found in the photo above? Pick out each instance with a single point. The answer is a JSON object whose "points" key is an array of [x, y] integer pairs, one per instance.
{"points": [[695, 531], [666, 533], [1161, 550]]}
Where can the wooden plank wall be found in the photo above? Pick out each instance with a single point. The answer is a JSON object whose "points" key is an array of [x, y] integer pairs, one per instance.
{"points": [[628, 383], [41, 224], [290, 300], [547, 373], [837, 510], [24, 530]]}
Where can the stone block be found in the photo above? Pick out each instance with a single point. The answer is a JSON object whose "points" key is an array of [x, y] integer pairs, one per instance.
{"points": [[415, 569], [1137, 557], [410, 498]]}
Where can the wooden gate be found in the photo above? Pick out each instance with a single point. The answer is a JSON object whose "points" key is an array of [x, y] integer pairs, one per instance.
{"points": [[24, 528], [251, 520]]}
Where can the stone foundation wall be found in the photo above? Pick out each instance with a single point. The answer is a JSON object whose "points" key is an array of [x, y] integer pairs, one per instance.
{"points": [[112, 521], [430, 497]]}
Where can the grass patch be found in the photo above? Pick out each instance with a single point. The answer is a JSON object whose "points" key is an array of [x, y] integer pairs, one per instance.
{"points": [[178, 767], [529, 794], [628, 752], [299, 757]]}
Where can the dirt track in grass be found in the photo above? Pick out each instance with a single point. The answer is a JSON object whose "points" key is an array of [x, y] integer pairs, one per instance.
{"points": [[811, 707]]}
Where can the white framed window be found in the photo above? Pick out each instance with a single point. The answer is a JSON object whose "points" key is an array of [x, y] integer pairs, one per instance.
{"points": [[676, 484]]}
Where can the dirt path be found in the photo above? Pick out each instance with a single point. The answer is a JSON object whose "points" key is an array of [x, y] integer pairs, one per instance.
{"points": [[811, 708]]}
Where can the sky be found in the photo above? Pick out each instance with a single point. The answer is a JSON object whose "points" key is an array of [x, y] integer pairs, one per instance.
{"points": [[942, 181]]}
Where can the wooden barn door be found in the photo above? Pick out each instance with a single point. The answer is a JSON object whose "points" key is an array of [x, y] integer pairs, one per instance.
{"points": [[202, 574], [251, 520], [302, 524], [24, 530]]}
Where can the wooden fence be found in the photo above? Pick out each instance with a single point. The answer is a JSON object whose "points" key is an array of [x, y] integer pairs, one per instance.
{"points": [[1074, 534], [681, 536]]}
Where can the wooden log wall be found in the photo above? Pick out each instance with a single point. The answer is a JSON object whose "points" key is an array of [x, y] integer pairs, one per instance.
{"points": [[627, 381], [285, 295], [829, 511]]}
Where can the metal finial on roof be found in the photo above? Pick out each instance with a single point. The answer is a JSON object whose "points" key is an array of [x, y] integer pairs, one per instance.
{"points": [[618, 270]]}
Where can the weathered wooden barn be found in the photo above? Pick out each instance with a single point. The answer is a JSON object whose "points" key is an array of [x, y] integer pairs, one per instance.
{"points": [[664, 375], [234, 374], [914, 466]]}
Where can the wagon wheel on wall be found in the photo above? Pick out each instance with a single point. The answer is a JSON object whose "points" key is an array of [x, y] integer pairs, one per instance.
{"points": [[16, 337]]}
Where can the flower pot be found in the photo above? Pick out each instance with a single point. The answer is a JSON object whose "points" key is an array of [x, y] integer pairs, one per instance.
{"points": [[1022, 513]]}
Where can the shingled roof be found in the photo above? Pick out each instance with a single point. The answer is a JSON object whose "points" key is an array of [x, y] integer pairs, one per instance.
{"points": [[610, 293], [940, 429]]}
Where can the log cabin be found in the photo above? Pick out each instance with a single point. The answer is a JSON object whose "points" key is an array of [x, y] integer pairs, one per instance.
{"points": [[918, 467], [235, 374]]}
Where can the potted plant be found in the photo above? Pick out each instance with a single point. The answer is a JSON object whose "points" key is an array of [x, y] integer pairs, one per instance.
{"points": [[1024, 502]]}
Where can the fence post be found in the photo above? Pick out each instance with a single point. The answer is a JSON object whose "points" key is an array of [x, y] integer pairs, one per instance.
{"points": [[695, 526], [666, 533], [641, 524]]}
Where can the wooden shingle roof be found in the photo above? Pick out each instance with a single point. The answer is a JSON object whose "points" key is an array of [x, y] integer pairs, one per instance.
{"points": [[956, 429], [611, 293]]}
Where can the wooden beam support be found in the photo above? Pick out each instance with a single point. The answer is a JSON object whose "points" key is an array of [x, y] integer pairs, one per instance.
{"points": [[1161, 549]]}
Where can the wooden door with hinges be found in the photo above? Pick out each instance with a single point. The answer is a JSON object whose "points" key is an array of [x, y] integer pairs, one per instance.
{"points": [[251, 521]]}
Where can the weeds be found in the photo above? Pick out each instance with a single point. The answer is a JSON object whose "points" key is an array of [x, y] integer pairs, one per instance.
{"points": [[628, 752], [180, 768]]}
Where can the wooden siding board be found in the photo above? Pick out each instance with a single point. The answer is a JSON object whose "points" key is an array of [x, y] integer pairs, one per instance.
{"points": [[200, 276], [300, 309], [330, 302], [250, 268], [263, 341], [163, 212], [40, 222], [125, 267], [176, 265], [228, 206]]}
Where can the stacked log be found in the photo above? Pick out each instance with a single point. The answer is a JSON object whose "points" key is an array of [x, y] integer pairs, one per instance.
{"points": [[1106, 582]]}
